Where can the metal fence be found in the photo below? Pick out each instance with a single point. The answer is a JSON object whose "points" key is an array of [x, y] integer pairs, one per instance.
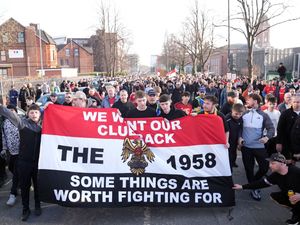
{"points": [[6, 83]]}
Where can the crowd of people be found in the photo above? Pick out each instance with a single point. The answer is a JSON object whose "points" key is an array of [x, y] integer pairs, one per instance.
{"points": [[261, 119]]}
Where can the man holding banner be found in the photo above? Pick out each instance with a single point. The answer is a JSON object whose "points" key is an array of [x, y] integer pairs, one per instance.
{"points": [[107, 161]]}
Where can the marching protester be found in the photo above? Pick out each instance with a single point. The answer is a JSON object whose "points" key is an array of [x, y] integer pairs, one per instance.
{"points": [[280, 91], [123, 104], [152, 99], [198, 101], [253, 140], [210, 107], [31, 91], [79, 100], [11, 144], [211, 90], [177, 92], [287, 178], [13, 95], [281, 70], [23, 94], [68, 99], [285, 128], [45, 88], [167, 111], [185, 104], [231, 99], [38, 92], [224, 92], [111, 97], [286, 104], [235, 126], [30, 137], [274, 115], [29, 102], [142, 110], [53, 98]]}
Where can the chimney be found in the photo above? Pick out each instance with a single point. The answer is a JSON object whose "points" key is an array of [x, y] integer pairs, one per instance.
{"points": [[34, 25]]}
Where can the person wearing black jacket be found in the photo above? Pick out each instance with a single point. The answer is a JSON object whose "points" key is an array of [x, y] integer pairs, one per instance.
{"points": [[177, 92], [167, 111], [235, 123], [288, 180], [123, 104], [30, 139], [286, 122], [23, 94], [227, 106], [141, 110], [281, 70]]}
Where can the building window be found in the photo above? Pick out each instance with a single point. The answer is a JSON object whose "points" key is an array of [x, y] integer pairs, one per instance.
{"points": [[76, 52], [5, 37], [61, 62], [3, 56], [67, 62], [21, 37], [3, 72], [67, 52]]}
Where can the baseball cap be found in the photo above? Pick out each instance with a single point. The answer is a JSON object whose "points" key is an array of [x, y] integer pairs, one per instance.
{"points": [[80, 94], [53, 94], [151, 92], [202, 89], [277, 157]]}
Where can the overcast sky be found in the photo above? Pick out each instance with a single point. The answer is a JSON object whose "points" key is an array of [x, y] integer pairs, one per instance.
{"points": [[147, 20]]}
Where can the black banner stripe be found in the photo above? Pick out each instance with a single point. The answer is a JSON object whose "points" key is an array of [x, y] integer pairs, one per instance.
{"points": [[119, 190]]}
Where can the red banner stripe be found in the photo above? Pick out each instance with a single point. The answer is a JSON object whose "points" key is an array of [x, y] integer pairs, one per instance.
{"points": [[107, 124]]}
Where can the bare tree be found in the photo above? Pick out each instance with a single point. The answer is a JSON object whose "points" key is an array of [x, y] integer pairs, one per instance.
{"points": [[253, 13], [124, 48], [113, 38], [174, 54], [198, 37]]}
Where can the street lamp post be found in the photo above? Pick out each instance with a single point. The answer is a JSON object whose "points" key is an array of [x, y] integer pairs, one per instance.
{"points": [[228, 48], [41, 53], [265, 63]]}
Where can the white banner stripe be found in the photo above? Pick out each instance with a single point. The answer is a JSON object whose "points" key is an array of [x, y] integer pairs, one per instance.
{"points": [[112, 162]]}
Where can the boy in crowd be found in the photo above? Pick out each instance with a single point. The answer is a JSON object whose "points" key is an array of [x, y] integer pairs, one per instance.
{"points": [[235, 123], [184, 104], [274, 115], [167, 111], [142, 110], [198, 101], [30, 139]]}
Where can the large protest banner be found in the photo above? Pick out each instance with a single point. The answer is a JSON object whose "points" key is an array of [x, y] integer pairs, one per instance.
{"points": [[92, 158]]}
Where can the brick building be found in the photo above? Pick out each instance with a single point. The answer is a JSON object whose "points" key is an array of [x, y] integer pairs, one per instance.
{"points": [[20, 49], [74, 54]]}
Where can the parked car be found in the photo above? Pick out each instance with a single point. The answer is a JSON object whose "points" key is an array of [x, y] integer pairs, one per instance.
{"points": [[46, 98], [21, 112]]}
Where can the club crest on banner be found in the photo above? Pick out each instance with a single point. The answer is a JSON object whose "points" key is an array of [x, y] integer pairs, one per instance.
{"points": [[137, 151]]}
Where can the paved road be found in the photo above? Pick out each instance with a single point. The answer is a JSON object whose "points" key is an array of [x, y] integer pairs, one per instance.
{"points": [[246, 212]]}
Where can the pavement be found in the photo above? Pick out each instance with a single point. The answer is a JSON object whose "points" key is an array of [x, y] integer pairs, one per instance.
{"points": [[246, 212]]}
